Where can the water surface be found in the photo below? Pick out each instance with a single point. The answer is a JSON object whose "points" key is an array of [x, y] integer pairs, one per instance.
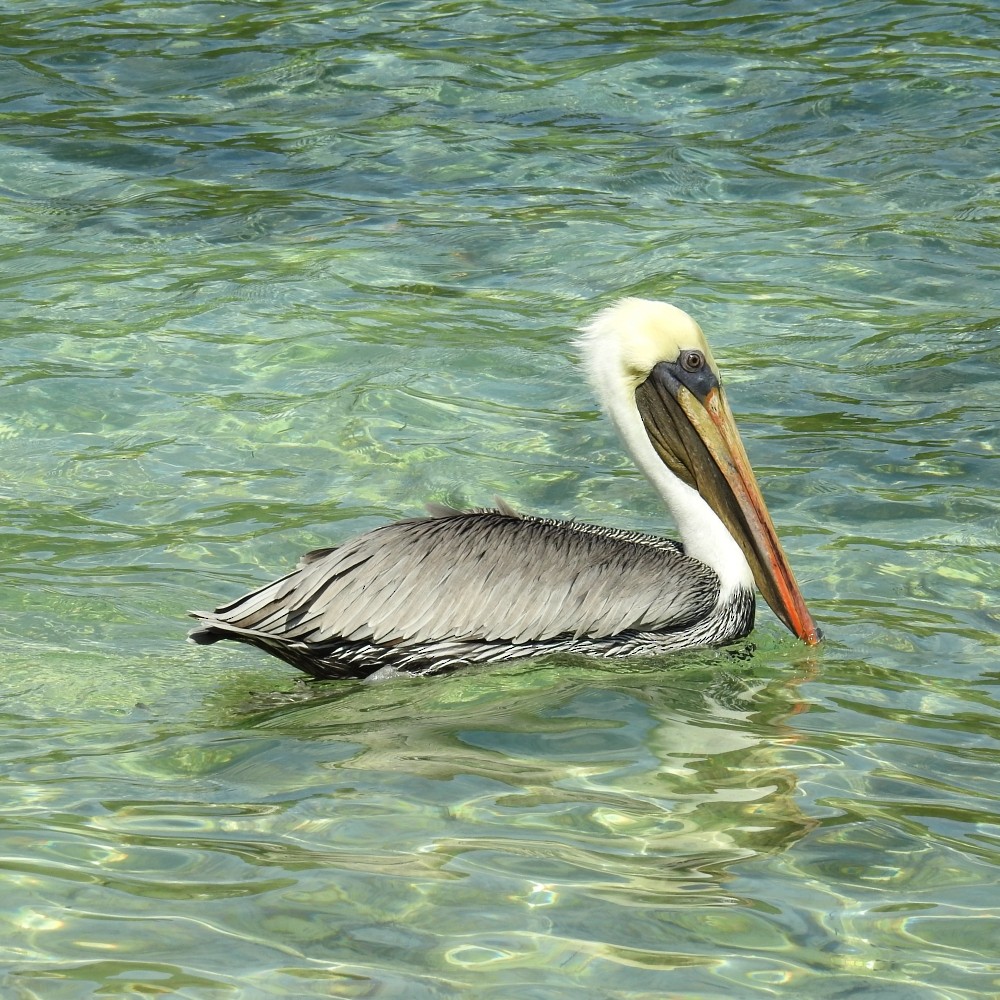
{"points": [[275, 273]]}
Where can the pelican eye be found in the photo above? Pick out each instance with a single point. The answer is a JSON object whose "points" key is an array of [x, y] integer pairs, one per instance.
{"points": [[692, 361]]}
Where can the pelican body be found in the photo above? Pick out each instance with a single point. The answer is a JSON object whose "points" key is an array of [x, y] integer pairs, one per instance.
{"points": [[432, 593]]}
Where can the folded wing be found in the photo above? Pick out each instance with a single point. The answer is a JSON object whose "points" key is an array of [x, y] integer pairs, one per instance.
{"points": [[483, 576]]}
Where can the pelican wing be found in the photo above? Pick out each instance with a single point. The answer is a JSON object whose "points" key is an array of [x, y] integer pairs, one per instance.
{"points": [[488, 575]]}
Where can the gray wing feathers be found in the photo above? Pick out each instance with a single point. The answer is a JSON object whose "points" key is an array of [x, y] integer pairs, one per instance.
{"points": [[483, 575]]}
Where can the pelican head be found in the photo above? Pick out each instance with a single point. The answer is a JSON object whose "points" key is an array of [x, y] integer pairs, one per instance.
{"points": [[655, 376]]}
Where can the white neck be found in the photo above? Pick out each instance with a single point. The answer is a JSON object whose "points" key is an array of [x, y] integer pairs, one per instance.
{"points": [[703, 534]]}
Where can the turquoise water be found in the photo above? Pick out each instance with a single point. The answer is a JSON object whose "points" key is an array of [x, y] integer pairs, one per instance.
{"points": [[276, 272]]}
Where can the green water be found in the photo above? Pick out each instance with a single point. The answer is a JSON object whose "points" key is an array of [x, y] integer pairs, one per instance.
{"points": [[276, 272]]}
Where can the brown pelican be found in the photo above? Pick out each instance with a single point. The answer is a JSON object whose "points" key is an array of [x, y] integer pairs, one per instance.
{"points": [[457, 587]]}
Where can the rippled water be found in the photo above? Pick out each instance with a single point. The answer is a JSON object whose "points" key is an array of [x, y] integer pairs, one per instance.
{"points": [[277, 272]]}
